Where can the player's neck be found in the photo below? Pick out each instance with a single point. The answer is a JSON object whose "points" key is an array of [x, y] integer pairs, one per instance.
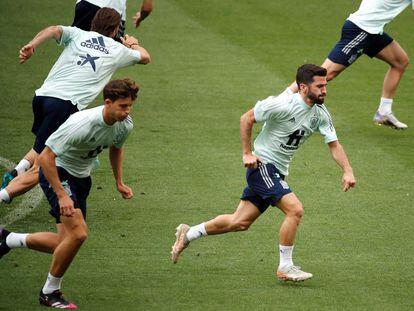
{"points": [[307, 100], [107, 117]]}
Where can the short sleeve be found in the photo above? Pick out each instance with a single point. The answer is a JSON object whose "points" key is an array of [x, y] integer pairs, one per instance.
{"points": [[272, 107], [68, 34], [326, 127], [128, 57], [124, 133]]}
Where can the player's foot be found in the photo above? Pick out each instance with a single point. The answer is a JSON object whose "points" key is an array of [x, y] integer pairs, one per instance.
{"points": [[293, 273], [389, 120], [7, 178], [181, 242], [56, 300], [4, 249]]}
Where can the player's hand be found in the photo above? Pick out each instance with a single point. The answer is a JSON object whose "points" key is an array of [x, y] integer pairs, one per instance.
{"points": [[251, 161], [137, 19], [348, 181], [25, 53], [125, 191], [66, 206], [129, 41]]}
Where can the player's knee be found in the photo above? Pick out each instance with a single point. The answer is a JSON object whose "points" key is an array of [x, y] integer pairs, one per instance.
{"points": [[80, 236], [296, 211], [405, 62], [402, 63]]}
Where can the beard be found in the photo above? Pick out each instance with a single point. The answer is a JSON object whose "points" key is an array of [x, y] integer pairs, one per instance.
{"points": [[319, 100]]}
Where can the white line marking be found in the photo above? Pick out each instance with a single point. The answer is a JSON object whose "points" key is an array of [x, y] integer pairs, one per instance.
{"points": [[30, 202]]}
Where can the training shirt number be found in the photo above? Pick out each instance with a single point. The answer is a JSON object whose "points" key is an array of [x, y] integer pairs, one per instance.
{"points": [[295, 137], [95, 152]]}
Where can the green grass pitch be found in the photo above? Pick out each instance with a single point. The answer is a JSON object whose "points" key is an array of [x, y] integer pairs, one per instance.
{"points": [[211, 61]]}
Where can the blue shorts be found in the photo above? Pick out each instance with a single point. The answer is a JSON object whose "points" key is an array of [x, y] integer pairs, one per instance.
{"points": [[266, 186], [354, 42], [77, 188], [49, 113], [84, 14]]}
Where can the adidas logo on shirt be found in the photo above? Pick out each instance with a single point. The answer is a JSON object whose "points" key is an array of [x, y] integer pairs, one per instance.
{"points": [[97, 44]]}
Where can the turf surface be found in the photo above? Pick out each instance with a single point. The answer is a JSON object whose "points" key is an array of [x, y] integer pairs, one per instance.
{"points": [[211, 61]]}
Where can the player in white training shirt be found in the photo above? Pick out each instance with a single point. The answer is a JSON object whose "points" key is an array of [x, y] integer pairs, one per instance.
{"points": [[288, 121], [363, 33], [66, 164], [88, 61]]}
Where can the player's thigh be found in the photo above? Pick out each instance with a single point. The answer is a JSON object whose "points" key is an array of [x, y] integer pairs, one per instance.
{"points": [[333, 69], [290, 204], [394, 55], [246, 212]]}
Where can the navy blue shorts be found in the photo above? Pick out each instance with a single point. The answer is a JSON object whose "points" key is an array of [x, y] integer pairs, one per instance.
{"points": [[84, 14], [77, 188], [354, 42], [266, 186], [49, 113]]}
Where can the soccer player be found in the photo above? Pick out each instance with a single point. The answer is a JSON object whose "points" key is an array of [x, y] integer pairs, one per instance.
{"points": [[66, 164], [86, 64], [289, 119], [85, 11], [363, 33]]}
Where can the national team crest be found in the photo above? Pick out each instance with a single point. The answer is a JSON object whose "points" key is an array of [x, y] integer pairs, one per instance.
{"points": [[313, 122]]}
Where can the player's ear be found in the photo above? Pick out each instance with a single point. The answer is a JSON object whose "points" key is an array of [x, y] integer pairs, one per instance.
{"points": [[107, 101], [303, 87]]}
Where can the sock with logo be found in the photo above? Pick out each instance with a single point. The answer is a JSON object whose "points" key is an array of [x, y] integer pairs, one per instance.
{"points": [[196, 232], [385, 106], [285, 253], [16, 240], [52, 284], [22, 167]]}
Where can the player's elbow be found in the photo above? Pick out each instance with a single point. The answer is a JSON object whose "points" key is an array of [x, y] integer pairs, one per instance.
{"points": [[55, 32], [145, 58]]}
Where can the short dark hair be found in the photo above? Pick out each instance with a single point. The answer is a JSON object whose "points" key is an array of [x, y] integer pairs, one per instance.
{"points": [[106, 21], [306, 73], [117, 89]]}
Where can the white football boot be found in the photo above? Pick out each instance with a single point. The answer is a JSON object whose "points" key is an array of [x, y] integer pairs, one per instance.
{"points": [[181, 241], [293, 273], [389, 120]]}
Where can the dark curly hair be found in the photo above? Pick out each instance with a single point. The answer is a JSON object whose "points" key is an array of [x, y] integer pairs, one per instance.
{"points": [[122, 88]]}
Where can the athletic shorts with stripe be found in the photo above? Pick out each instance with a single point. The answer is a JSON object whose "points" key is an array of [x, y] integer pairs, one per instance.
{"points": [[354, 42], [77, 188], [265, 186]]}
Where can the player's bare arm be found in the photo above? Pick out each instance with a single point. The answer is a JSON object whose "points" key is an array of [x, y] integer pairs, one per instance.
{"points": [[116, 156], [145, 10], [48, 33], [132, 43], [247, 121], [48, 165], [339, 155]]}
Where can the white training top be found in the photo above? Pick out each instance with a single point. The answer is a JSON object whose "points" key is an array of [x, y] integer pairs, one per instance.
{"points": [[118, 5], [289, 121], [373, 15], [79, 140], [85, 66]]}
